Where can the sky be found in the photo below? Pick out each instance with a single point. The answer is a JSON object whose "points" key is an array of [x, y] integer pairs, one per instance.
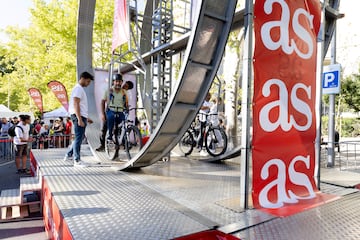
{"points": [[16, 13], [348, 37]]}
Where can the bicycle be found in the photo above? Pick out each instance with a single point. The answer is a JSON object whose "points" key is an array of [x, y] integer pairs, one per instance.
{"points": [[125, 134], [214, 138]]}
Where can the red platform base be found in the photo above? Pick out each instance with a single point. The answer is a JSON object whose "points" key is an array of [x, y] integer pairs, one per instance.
{"points": [[208, 235]]}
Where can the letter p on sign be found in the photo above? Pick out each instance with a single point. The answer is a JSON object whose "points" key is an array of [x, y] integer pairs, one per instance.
{"points": [[331, 79]]}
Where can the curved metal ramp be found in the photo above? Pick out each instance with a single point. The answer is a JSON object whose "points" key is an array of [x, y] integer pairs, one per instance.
{"points": [[203, 55]]}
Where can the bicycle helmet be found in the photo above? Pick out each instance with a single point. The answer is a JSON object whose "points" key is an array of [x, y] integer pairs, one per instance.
{"points": [[117, 76]]}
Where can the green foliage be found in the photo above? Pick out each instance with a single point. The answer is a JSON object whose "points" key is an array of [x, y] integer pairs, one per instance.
{"points": [[102, 36], [350, 90], [347, 101], [46, 51], [350, 127]]}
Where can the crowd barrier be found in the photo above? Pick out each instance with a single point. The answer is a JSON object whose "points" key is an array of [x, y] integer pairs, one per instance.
{"points": [[347, 155], [39, 142]]}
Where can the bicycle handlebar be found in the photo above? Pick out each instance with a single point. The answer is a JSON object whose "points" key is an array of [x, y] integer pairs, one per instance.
{"points": [[208, 114], [130, 109]]}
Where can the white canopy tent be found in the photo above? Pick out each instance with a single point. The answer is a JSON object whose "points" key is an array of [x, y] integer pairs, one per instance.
{"points": [[7, 113], [3, 108], [59, 112]]}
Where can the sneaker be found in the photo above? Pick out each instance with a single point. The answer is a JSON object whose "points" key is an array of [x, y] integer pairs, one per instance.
{"points": [[25, 170], [67, 158], [100, 149], [204, 153], [80, 164]]}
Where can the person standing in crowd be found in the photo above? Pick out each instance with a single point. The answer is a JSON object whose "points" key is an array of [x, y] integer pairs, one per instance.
{"points": [[5, 148], [58, 129], [15, 120], [43, 136], [78, 109], [68, 128], [21, 140]]}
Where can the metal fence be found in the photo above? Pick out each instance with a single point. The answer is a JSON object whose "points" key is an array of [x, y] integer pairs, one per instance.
{"points": [[6, 149], [7, 152], [347, 155]]}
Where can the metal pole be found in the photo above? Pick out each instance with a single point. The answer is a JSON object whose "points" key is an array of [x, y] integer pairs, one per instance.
{"points": [[319, 64], [331, 126], [245, 106]]}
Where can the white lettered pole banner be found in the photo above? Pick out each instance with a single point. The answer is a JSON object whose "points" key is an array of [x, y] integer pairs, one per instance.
{"points": [[60, 93], [284, 120], [35, 94]]}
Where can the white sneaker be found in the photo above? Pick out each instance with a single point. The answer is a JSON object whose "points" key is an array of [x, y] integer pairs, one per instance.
{"points": [[203, 153], [67, 158], [80, 164]]}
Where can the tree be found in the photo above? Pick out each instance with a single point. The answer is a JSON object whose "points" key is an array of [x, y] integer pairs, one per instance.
{"points": [[46, 50], [350, 91], [102, 36]]}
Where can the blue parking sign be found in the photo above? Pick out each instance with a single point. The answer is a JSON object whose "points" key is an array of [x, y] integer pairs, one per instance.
{"points": [[331, 79]]}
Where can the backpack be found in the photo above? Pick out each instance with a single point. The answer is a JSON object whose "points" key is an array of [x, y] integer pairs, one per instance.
{"points": [[11, 130]]}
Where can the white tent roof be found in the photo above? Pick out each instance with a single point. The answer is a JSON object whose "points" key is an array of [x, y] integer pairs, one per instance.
{"points": [[12, 114], [60, 112], [7, 113], [3, 108]]}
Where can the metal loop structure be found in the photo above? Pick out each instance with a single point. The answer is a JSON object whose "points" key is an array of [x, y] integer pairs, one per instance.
{"points": [[203, 56], [205, 47]]}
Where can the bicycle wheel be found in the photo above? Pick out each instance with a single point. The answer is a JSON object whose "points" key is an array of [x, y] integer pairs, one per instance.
{"points": [[110, 148], [187, 143], [133, 141], [215, 141]]}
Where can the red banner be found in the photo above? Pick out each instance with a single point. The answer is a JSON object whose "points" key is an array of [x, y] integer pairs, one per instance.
{"points": [[35, 94], [120, 25], [60, 92], [284, 120]]}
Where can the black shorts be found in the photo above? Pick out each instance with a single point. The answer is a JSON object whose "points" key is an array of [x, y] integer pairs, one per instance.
{"points": [[20, 150]]}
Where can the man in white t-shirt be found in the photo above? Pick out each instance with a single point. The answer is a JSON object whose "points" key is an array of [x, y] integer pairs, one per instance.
{"points": [[203, 113], [78, 109], [21, 140]]}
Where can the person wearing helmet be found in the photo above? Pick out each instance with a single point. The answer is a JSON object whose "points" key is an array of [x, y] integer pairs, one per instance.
{"points": [[113, 103]]}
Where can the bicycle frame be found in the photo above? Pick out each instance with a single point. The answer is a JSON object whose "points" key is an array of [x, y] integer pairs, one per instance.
{"points": [[212, 137], [127, 134]]}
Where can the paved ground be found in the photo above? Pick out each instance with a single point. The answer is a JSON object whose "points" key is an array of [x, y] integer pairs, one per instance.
{"points": [[8, 176]]}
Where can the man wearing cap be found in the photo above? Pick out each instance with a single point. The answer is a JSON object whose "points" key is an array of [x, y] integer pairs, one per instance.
{"points": [[113, 103], [78, 109]]}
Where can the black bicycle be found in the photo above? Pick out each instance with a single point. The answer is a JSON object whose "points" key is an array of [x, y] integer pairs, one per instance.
{"points": [[213, 137], [127, 135]]}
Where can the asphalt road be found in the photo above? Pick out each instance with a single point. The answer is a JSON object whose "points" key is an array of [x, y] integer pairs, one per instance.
{"points": [[8, 176]]}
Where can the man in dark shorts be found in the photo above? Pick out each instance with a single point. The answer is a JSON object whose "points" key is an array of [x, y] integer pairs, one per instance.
{"points": [[21, 142]]}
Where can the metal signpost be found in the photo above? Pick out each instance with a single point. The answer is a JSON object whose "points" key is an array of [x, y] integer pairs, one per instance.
{"points": [[331, 86]]}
